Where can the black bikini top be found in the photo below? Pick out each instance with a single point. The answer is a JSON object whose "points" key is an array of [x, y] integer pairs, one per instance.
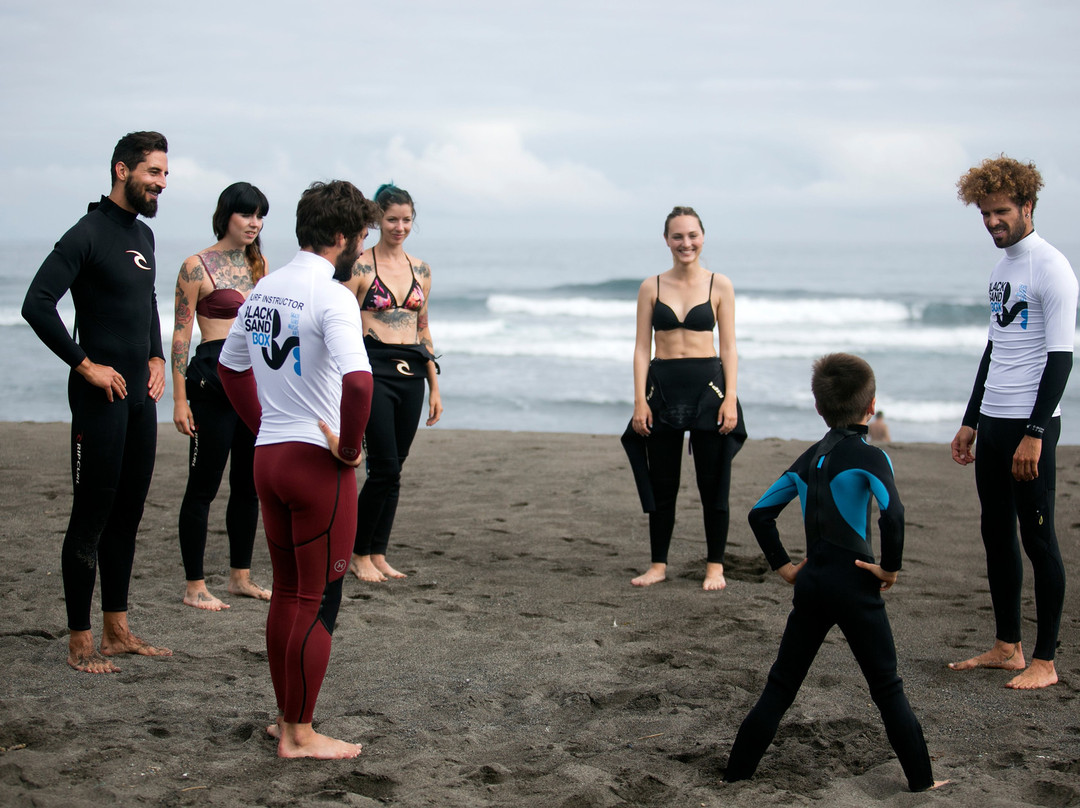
{"points": [[699, 318]]}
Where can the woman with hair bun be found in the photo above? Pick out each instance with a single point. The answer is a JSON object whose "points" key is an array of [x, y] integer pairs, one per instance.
{"points": [[393, 289], [211, 287], [689, 385]]}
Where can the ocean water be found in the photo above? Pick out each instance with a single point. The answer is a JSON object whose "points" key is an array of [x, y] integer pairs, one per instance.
{"points": [[539, 335]]}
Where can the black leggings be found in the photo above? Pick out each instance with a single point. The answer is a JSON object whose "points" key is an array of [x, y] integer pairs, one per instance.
{"points": [[112, 462], [396, 406], [712, 454], [830, 590], [1004, 501], [219, 432]]}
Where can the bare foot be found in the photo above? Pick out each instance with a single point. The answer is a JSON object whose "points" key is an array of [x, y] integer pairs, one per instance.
{"points": [[939, 784], [274, 730], [300, 740], [379, 562], [83, 657], [1004, 655], [241, 585], [714, 577], [1040, 673], [116, 638], [362, 568], [653, 575], [199, 596]]}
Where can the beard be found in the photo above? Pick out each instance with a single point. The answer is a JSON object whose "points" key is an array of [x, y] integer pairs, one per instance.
{"points": [[135, 194], [344, 263], [1013, 235]]}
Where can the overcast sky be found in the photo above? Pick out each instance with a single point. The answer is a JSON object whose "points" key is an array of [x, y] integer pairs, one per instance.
{"points": [[849, 119]]}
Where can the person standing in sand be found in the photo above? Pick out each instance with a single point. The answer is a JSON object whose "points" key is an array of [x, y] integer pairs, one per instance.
{"points": [[117, 377], [211, 287], [1014, 411], [838, 583], [688, 385], [393, 289], [299, 318]]}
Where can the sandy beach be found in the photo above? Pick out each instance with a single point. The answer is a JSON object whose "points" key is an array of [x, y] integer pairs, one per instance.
{"points": [[516, 666]]}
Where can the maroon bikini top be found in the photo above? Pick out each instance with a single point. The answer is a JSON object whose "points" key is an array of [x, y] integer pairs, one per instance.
{"points": [[220, 304]]}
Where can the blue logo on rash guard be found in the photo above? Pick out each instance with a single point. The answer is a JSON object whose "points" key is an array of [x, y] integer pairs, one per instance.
{"points": [[999, 305]]}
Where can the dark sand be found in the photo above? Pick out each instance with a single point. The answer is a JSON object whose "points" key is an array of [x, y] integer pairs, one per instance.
{"points": [[516, 666]]}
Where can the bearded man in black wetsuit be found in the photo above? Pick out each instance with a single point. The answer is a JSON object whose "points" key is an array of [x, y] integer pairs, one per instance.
{"points": [[117, 376]]}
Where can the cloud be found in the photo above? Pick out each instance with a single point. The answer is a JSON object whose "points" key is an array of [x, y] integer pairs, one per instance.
{"points": [[881, 163], [188, 180], [489, 161]]}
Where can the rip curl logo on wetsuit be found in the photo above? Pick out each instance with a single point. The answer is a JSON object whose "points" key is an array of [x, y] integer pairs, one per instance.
{"points": [[403, 367], [265, 326], [1000, 294], [139, 259]]}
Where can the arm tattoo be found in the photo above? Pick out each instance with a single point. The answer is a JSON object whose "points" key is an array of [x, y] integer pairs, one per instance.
{"points": [[180, 356]]}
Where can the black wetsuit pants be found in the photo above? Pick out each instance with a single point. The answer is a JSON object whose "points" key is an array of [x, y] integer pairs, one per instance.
{"points": [[830, 590], [219, 433], [1004, 501], [112, 462], [396, 406], [712, 453]]}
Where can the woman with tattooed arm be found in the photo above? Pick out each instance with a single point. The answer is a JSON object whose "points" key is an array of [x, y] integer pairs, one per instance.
{"points": [[211, 287], [392, 288]]}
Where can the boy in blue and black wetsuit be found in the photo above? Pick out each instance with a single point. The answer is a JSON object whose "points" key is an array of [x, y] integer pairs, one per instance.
{"points": [[838, 582]]}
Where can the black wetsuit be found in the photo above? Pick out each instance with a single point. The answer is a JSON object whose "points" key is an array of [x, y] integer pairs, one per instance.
{"points": [[221, 438], [397, 404], [107, 262], [685, 395], [835, 479]]}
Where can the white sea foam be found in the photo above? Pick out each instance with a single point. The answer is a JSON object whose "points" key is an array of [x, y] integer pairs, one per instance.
{"points": [[757, 311], [572, 307], [920, 412]]}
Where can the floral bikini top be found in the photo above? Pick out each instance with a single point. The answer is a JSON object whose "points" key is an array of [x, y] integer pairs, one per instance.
{"points": [[380, 298]]}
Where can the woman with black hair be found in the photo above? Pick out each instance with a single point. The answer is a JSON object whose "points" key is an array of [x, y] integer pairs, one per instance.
{"points": [[211, 287], [392, 288]]}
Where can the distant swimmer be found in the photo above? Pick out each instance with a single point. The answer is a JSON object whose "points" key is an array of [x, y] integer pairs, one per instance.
{"points": [[688, 385], [295, 369], [211, 287], [1014, 410], [117, 377], [878, 430], [393, 289]]}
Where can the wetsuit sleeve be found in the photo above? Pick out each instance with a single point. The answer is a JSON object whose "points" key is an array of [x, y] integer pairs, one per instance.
{"points": [[355, 408], [52, 281], [243, 395], [971, 414], [1051, 387], [762, 518], [155, 329], [891, 521]]}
